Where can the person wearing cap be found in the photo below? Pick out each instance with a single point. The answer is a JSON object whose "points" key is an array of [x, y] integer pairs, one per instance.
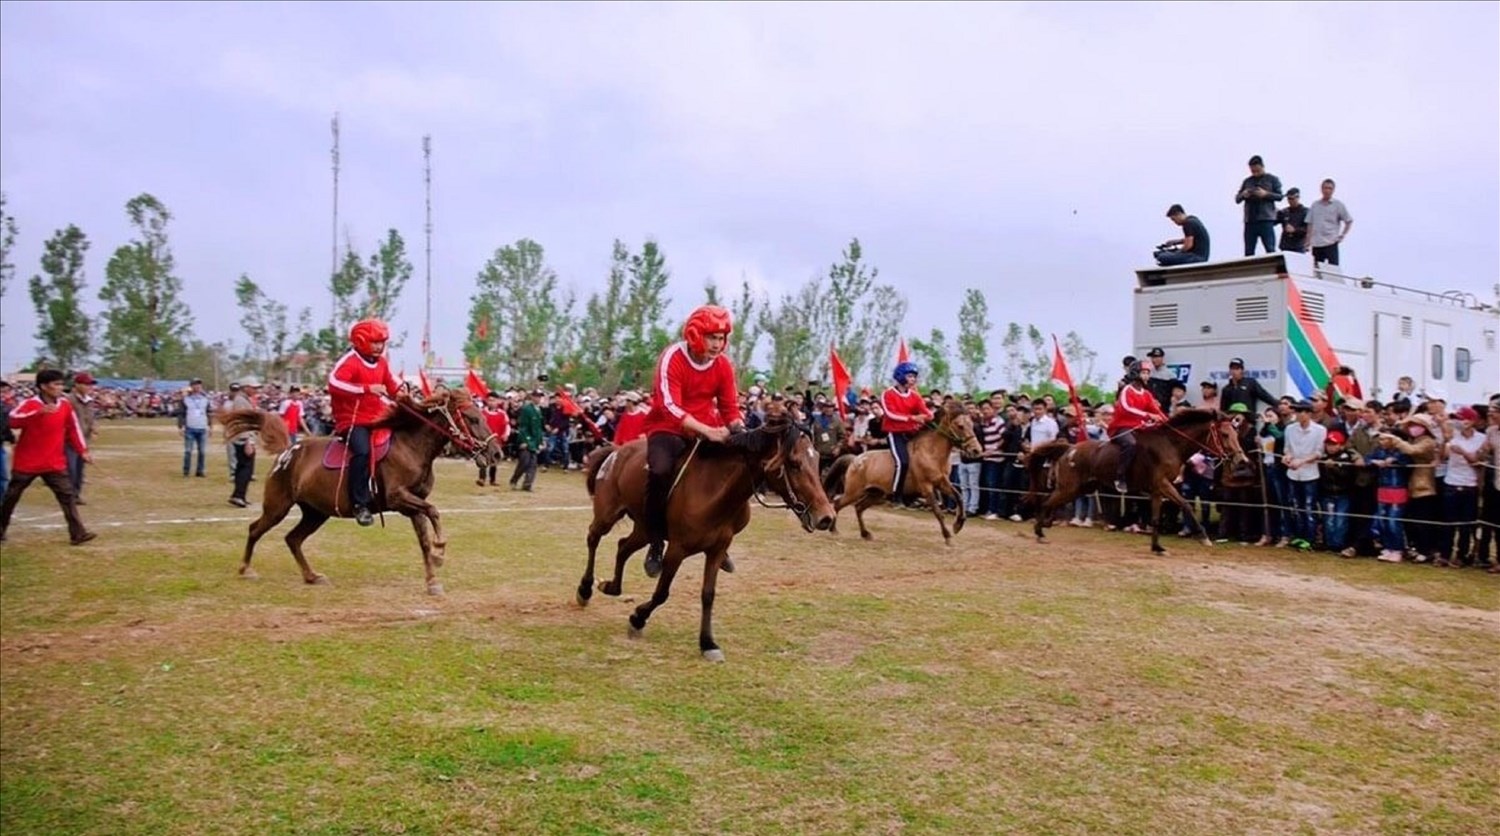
{"points": [[1259, 193], [1135, 408], [193, 417], [1293, 223], [1191, 248], [1465, 453], [1128, 364], [632, 422], [1393, 475], [1162, 377], [1423, 509], [291, 410], [693, 395], [48, 425], [82, 399], [1242, 389], [359, 386], [1208, 394], [243, 445], [531, 432], [1335, 485], [498, 422], [1304, 448]]}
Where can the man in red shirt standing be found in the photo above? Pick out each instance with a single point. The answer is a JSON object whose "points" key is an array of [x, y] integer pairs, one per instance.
{"points": [[498, 421], [47, 423], [357, 390], [905, 413], [1135, 407], [291, 414], [693, 394]]}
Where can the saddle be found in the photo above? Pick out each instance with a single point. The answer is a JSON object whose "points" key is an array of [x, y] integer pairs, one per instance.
{"points": [[336, 456]]}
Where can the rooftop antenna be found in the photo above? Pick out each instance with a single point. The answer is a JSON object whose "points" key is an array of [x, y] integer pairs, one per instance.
{"points": [[427, 179]]}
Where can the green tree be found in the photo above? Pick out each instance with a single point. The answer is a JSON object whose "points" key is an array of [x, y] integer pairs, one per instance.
{"points": [[973, 339], [1081, 360], [838, 316], [147, 325], [264, 321], [644, 325], [344, 285], [386, 278], [1014, 354], [62, 327], [933, 356], [748, 328], [598, 358], [8, 234], [884, 316], [792, 329], [519, 290]]}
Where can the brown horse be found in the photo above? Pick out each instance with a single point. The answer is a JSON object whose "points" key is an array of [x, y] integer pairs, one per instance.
{"points": [[403, 478], [707, 508], [865, 479], [1161, 452]]}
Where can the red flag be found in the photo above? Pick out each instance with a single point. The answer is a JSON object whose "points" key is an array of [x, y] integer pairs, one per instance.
{"points": [[476, 386], [1060, 374], [426, 384], [902, 355], [573, 410], [840, 381], [484, 328]]}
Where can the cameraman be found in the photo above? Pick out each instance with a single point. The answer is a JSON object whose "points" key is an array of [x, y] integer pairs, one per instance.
{"points": [[1191, 248]]}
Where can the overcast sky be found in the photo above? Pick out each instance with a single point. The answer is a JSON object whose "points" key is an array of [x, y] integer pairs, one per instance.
{"points": [[1026, 149]]}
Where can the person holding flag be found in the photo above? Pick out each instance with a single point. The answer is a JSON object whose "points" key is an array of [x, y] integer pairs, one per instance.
{"points": [[358, 386], [693, 393], [905, 413]]}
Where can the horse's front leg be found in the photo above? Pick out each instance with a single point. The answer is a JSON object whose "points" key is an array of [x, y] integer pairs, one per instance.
{"points": [[712, 561], [958, 501], [935, 497], [429, 565], [421, 512], [627, 546], [670, 564], [1187, 508]]}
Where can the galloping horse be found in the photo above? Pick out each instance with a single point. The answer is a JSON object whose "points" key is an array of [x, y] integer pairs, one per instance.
{"points": [[1160, 454], [419, 430], [865, 479], [707, 508]]}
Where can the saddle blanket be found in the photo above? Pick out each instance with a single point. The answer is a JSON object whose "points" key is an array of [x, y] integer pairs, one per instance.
{"points": [[337, 454]]}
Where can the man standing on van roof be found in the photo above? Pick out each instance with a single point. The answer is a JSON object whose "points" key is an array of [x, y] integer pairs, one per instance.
{"points": [[1259, 192], [1242, 390], [1293, 222], [1323, 219], [1191, 248]]}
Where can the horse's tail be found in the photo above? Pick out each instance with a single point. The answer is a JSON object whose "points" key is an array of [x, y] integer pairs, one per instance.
{"points": [[273, 437], [1036, 466], [591, 464], [833, 480]]}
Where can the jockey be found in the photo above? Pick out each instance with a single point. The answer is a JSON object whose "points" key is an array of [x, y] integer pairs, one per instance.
{"points": [[693, 394], [1135, 407], [905, 412], [357, 390]]}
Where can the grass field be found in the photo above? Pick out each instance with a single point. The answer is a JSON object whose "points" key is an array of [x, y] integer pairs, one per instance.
{"points": [[894, 686]]}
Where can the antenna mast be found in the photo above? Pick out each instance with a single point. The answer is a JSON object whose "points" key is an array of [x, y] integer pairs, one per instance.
{"points": [[427, 321], [333, 298]]}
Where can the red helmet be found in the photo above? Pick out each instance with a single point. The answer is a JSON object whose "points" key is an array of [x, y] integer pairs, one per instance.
{"points": [[708, 319], [365, 333]]}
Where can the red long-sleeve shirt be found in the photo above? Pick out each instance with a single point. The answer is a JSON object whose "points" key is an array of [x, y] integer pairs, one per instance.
{"points": [[629, 427], [498, 422], [43, 434], [681, 388], [905, 412], [349, 390], [1133, 408]]}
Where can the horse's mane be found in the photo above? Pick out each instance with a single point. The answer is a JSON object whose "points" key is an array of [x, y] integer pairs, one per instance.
{"points": [[397, 419], [757, 442], [1192, 418]]}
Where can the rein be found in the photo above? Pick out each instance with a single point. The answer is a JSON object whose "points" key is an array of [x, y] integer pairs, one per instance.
{"points": [[1217, 449], [789, 497], [455, 432]]}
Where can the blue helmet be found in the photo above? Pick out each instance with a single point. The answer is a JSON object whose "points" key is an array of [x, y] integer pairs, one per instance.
{"points": [[904, 369]]}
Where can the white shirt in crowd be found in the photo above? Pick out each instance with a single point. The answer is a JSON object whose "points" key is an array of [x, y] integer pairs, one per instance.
{"points": [[1043, 430], [1461, 474], [1304, 445]]}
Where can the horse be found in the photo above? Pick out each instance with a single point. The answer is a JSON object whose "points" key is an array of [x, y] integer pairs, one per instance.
{"points": [[865, 479], [709, 505], [1160, 454], [418, 433]]}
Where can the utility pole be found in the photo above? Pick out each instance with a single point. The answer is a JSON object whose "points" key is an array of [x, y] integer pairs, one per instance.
{"points": [[334, 269], [427, 321]]}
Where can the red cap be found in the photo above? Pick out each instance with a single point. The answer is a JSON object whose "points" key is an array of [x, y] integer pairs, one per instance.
{"points": [[88, 380], [1336, 437], [1466, 413]]}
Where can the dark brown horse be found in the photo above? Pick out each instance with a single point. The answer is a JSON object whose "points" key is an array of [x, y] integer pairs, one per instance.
{"points": [[708, 507], [865, 479], [403, 478], [1161, 451]]}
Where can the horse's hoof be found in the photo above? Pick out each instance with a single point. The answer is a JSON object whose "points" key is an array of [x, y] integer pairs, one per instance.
{"points": [[248, 574], [865, 535], [1158, 550], [958, 524], [434, 589], [580, 599], [1207, 542], [714, 655], [1041, 539], [633, 632]]}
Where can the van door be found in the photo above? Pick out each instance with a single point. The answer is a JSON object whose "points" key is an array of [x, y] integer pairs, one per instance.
{"points": [[1387, 364], [1437, 355]]}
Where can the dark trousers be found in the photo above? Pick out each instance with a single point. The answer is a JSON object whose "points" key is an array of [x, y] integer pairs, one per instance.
{"points": [[990, 481], [244, 468], [1126, 441], [1012, 489], [75, 471], [1170, 258], [358, 472], [1490, 534], [525, 467], [61, 488], [1263, 232], [903, 462], [1328, 254], [1460, 506], [490, 469], [662, 452]]}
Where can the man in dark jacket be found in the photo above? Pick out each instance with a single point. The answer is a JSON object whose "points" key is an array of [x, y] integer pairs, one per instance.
{"points": [[1259, 193], [1241, 389], [530, 434]]}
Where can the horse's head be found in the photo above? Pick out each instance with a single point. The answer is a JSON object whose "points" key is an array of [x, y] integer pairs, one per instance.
{"points": [[1226, 438], [792, 472], [955, 423], [465, 424]]}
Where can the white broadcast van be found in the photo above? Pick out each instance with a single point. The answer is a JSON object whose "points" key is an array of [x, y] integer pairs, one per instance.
{"points": [[1294, 323]]}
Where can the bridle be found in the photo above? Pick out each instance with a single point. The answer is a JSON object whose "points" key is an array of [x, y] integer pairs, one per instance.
{"points": [[1215, 446], [943, 428], [457, 431], [790, 500]]}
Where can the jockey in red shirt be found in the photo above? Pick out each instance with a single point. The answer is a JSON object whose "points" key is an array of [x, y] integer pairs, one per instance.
{"points": [[905, 413], [1135, 407], [358, 387], [693, 394]]}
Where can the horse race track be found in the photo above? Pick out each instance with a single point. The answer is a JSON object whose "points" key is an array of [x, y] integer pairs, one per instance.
{"points": [[893, 686]]}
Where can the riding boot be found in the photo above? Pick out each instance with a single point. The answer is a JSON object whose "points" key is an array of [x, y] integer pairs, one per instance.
{"points": [[1122, 471], [657, 489]]}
